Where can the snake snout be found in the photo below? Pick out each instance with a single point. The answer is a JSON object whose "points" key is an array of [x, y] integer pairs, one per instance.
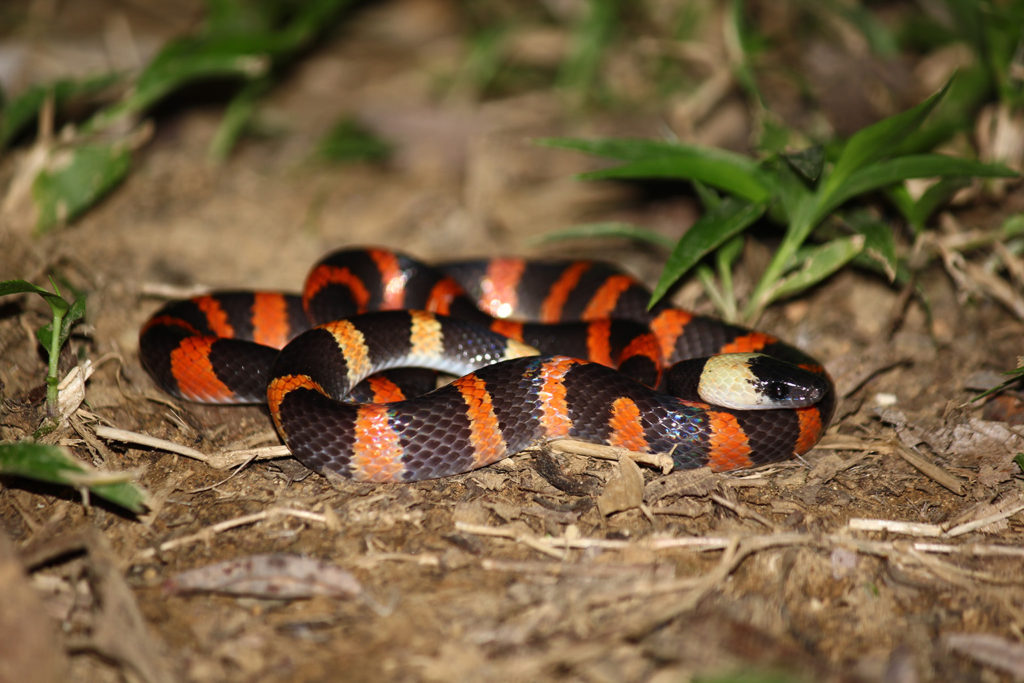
{"points": [[785, 385]]}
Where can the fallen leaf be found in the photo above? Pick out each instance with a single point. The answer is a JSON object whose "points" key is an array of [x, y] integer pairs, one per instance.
{"points": [[275, 575], [624, 491]]}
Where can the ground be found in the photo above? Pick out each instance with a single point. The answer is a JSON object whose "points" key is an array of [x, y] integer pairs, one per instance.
{"points": [[890, 552]]}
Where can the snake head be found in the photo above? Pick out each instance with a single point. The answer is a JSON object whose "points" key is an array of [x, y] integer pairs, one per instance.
{"points": [[747, 381]]}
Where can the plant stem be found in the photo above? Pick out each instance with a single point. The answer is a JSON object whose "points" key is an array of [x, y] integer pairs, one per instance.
{"points": [[804, 218], [52, 380]]}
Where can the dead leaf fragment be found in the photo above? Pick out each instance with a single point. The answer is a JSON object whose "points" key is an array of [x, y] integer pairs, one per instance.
{"points": [[624, 491], [273, 575], [698, 482]]}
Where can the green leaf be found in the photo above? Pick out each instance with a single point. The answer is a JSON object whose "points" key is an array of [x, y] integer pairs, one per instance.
{"points": [[231, 17], [890, 171], [606, 229], [348, 140], [808, 162], [816, 264], [191, 59], [44, 335], [1013, 226], [88, 173], [239, 44], [74, 314], [52, 464], [57, 303], [878, 141], [937, 194], [789, 188], [709, 198], [17, 114], [731, 217], [879, 244]]}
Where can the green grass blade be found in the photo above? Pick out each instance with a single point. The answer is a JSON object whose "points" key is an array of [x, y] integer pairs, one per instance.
{"points": [[607, 229], [636, 149], [51, 464], [237, 117], [741, 31], [734, 173], [591, 39], [348, 141], [878, 141], [61, 194], [816, 264], [731, 217], [1015, 376], [870, 23], [719, 299], [703, 168], [891, 171]]}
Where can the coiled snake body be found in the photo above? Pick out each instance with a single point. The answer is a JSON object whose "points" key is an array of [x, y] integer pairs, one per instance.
{"points": [[308, 356]]}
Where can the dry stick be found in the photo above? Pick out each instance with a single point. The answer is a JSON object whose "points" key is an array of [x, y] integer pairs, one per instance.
{"points": [[1014, 265], [125, 436], [219, 461], [970, 549], [556, 547], [162, 290], [930, 469], [961, 576], [997, 288], [985, 521], [374, 559], [894, 526], [208, 532], [662, 461]]}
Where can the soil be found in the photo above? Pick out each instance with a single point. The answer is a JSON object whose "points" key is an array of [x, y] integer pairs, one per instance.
{"points": [[890, 552]]}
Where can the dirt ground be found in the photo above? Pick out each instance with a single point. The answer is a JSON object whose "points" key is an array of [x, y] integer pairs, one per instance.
{"points": [[890, 552]]}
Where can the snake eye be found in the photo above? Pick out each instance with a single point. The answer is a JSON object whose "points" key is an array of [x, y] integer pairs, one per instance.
{"points": [[777, 391]]}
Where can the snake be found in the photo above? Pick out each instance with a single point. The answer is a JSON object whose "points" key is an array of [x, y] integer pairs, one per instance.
{"points": [[540, 351]]}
